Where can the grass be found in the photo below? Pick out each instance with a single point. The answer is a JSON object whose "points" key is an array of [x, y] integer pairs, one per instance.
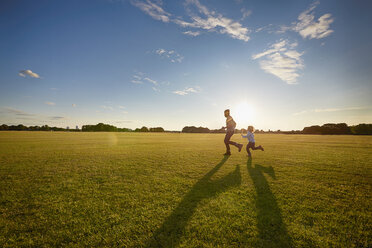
{"points": [[60, 189]]}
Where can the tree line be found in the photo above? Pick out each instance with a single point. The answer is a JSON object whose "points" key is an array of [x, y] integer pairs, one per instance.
{"points": [[100, 127], [329, 128], [340, 128], [21, 127]]}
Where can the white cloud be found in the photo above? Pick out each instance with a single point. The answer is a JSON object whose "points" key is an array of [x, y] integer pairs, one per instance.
{"points": [[172, 55], [152, 9], [281, 60], [50, 103], [25, 73], [192, 33], [216, 22], [308, 27], [206, 20], [187, 91]]}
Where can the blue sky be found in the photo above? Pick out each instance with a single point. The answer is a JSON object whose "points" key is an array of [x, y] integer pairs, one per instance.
{"points": [[275, 64]]}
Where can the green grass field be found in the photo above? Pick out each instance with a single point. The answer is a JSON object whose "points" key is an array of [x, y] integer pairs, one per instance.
{"points": [[178, 190]]}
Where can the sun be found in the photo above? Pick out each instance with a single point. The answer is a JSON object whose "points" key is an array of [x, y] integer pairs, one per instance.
{"points": [[244, 114]]}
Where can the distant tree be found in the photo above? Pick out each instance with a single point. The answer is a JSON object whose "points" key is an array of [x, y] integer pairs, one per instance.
{"points": [[45, 128], [362, 129], [193, 129], [329, 128], [221, 130], [156, 129], [100, 127], [312, 130], [142, 129], [4, 127], [124, 130]]}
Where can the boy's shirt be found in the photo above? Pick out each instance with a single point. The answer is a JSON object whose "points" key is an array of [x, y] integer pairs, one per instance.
{"points": [[230, 124], [250, 137]]}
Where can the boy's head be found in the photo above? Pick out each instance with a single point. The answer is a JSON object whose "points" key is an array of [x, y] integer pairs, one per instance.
{"points": [[251, 129], [227, 112]]}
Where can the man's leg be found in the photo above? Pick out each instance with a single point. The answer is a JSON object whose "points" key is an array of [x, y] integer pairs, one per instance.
{"points": [[239, 146], [227, 141]]}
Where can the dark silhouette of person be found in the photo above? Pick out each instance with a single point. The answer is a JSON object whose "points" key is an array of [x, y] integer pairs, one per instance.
{"points": [[230, 129]]}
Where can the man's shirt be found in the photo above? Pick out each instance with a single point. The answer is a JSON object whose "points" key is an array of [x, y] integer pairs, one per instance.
{"points": [[230, 124]]}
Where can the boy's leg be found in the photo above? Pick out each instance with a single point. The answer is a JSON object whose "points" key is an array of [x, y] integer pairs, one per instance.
{"points": [[257, 148], [248, 151], [254, 147]]}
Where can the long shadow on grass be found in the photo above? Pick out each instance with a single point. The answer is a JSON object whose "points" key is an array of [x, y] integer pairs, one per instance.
{"points": [[272, 230], [172, 229]]}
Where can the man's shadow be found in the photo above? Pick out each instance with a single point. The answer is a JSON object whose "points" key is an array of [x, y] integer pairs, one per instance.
{"points": [[172, 229], [272, 232]]}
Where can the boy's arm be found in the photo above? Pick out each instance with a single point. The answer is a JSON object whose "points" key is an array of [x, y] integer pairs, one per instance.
{"points": [[244, 136]]}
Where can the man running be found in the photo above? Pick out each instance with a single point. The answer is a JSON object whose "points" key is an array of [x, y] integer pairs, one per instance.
{"points": [[230, 129]]}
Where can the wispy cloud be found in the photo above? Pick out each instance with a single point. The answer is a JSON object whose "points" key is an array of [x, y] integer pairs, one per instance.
{"points": [[56, 118], [22, 115], [308, 27], [204, 19], [152, 9], [332, 110], [187, 91], [136, 79], [155, 89], [141, 78], [154, 82], [246, 13], [14, 111], [29, 73], [192, 33], [107, 107], [281, 60], [172, 55], [50, 103]]}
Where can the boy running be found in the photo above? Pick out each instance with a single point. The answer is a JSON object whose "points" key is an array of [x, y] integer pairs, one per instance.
{"points": [[251, 141]]}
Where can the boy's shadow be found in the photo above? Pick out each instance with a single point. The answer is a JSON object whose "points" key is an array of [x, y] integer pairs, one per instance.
{"points": [[272, 232], [172, 229]]}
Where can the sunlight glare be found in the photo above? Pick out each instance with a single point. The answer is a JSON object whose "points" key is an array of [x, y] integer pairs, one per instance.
{"points": [[244, 114]]}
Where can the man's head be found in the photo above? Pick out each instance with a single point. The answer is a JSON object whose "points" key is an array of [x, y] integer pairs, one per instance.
{"points": [[227, 112]]}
